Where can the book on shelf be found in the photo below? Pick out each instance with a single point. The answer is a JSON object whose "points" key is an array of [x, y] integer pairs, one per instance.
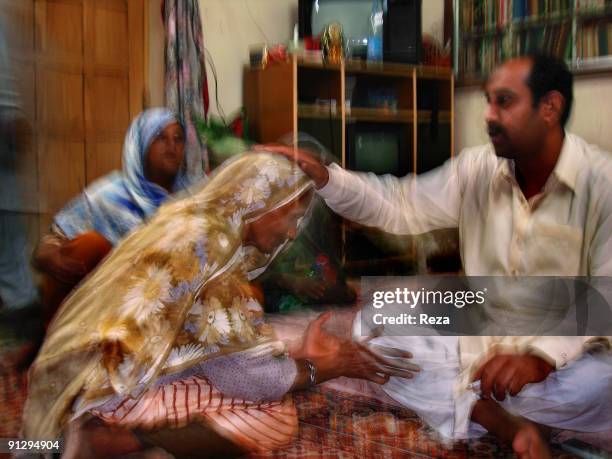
{"points": [[594, 40], [482, 55], [586, 5], [485, 15], [495, 30]]}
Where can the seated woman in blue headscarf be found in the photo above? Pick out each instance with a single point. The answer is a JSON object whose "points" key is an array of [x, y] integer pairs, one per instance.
{"points": [[85, 230]]}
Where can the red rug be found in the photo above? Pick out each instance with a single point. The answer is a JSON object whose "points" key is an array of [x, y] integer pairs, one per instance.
{"points": [[13, 385], [333, 424]]}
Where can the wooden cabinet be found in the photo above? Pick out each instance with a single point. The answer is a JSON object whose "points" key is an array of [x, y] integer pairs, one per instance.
{"points": [[284, 98], [336, 104]]}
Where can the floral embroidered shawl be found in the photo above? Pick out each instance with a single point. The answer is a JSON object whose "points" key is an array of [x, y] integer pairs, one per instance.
{"points": [[172, 294]]}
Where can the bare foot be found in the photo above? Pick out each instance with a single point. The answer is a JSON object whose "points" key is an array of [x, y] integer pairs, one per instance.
{"points": [[529, 443], [74, 442], [151, 453], [526, 437], [90, 438]]}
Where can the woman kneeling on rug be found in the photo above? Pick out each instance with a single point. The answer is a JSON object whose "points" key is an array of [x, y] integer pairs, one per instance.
{"points": [[164, 345]]}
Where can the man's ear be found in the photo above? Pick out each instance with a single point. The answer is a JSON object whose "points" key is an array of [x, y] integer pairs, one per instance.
{"points": [[552, 106]]}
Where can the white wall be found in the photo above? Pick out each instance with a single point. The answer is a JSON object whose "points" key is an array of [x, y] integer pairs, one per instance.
{"points": [[433, 19], [469, 118], [229, 29], [591, 114]]}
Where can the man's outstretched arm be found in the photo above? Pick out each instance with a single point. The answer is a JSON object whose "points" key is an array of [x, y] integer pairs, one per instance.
{"points": [[408, 205]]}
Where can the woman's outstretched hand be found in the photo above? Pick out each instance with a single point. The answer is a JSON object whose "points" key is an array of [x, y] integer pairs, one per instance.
{"points": [[310, 164], [334, 357]]}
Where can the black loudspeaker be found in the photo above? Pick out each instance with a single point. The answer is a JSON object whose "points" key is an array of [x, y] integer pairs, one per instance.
{"points": [[304, 18], [402, 41]]}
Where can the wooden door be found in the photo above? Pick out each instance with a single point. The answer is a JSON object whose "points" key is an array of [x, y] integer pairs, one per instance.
{"points": [[113, 79], [59, 123], [80, 67]]}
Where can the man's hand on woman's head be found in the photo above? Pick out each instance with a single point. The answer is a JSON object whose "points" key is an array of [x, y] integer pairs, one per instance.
{"points": [[309, 163], [334, 357]]}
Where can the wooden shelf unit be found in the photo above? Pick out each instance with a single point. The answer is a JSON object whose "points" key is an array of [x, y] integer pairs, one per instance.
{"points": [[280, 98], [377, 115], [330, 102]]}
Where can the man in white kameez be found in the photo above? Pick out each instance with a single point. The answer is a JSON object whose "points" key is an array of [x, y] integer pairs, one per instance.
{"points": [[535, 201]]}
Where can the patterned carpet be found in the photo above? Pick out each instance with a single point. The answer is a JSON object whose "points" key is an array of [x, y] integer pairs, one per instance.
{"points": [[337, 425], [13, 385], [12, 397], [333, 424]]}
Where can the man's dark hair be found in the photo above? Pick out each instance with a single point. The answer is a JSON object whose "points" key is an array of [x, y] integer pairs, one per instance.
{"points": [[550, 73]]}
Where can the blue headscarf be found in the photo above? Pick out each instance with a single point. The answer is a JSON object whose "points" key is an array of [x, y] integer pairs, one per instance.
{"points": [[119, 202]]}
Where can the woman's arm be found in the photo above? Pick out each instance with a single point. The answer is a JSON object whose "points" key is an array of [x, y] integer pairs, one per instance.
{"points": [[407, 205], [256, 375], [49, 257], [323, 357]]}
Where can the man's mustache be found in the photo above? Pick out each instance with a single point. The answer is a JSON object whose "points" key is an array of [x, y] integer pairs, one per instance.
{"points": [[495, 129]]}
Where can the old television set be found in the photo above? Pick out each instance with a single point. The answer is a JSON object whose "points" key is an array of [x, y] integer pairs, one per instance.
{"points": [[378, 148], [402, 41], [370, 146]]}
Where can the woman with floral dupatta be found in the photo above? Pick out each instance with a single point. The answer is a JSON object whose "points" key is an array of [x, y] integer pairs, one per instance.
{"points": [[166, 334]]}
